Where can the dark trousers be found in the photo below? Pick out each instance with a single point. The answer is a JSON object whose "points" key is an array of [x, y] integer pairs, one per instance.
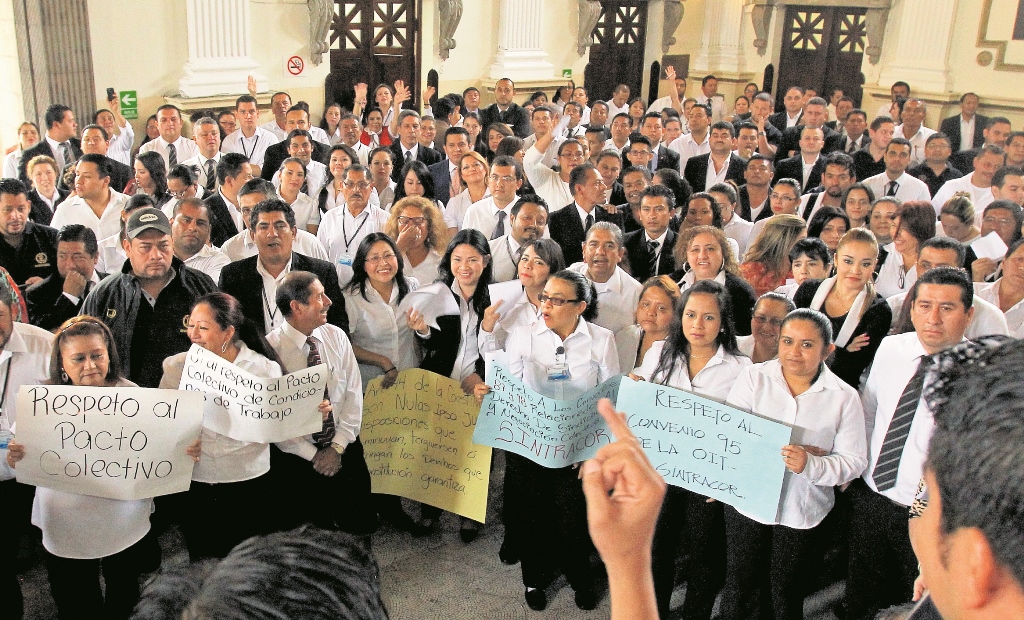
{"points": [[688, 520], [341, 501], [16, 499], [217, 517], [554, 522], [512, 507], [75, 584], [766, 568], [882, 563]]}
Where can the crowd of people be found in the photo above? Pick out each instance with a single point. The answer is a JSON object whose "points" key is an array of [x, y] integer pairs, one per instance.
{"points": [[817, 265]]}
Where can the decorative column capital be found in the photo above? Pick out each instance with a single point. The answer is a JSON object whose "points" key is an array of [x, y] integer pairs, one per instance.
{"points": [[451, 15], [761, 16], [590, 13], [321, 14], [673, 17], [874, 24]]}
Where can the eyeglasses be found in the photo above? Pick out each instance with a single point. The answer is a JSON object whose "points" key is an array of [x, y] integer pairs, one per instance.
{"points": [[415, 221], [360, 185], [760, 318], [555, 301], [775, 196], [373, 260], [495, 178], [179, 194]]}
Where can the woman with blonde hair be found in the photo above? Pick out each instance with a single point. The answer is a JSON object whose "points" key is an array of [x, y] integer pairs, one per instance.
{"points": [[860, 317], [705, 254], [766, 265], [957, 218], [419, 231], [472, 174]]}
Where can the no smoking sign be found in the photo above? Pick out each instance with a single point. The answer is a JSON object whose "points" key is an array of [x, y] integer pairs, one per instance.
{"points": [[294, 66]]}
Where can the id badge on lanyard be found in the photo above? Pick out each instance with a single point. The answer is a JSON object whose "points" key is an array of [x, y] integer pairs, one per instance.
{"points": [[559, 371]]}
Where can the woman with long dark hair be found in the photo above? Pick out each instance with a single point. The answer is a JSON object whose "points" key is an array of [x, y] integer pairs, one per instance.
{"points": [[151, 177]]}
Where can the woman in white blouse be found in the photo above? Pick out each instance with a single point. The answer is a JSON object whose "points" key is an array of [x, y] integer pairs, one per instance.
{"points": [[472, 172], [82, 534], [232, 476], [896, 270], [562, 356], [653, 317], [828, 449], [540, 259], [331, 196], [420, 233], [699, 355], [293, 176]]}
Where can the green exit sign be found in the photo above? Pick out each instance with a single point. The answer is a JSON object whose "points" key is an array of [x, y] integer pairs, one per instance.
{"points": [[567, 73], [129, 102]]}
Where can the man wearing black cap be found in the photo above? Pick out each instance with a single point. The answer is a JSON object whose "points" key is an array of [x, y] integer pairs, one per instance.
{"points": [[147, 305]]}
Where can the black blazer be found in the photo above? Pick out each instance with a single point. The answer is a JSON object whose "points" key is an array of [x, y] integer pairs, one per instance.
{"points": [[222, 227], [744, 208], [951, 127], [120, 176], [779, 120], [791, 142], [241, 280], [441, 347], [566, 229], [43, 148], [48, 308], [423, 154], [40, 212], [515, 117], [442, 180], [697, 170], [618, 195], [277, 153], [964, 160], [667, 158], [742, 295], [640, 258], [793, 168]]}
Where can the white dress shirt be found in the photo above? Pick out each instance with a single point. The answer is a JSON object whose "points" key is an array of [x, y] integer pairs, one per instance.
{"points": [[746, 345], [225, 459], [111, 254], [184, 148], [980, 196], [713, 381], [275, 129], [791, 121], [828, 416], [77, 211], [907, 187], [319, 135], [551, 155], [738, 229], [610, 145], [243, 245], [988, 319], [895, 363], [199, 162], [687, 147], [254, 148], [712, 177], [341, 233], [426, 271], [24, 360], [521, 313], [344, 387], [989, 292], [316, 178], [616, 299], [209, 260], [380, 327], [272, 315], [545, 181], [120, 146], [307, 212], [458, 207], [11, 162], [58, 152], [717, 104], [614, 110], [504, 266], [589, 352], [483, 216], [887, 283], [917, 142], [967, 133], [362, 150]]}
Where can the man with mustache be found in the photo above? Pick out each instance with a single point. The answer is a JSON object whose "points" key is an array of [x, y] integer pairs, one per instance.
{"points": [[529, 220], [190, 236]]}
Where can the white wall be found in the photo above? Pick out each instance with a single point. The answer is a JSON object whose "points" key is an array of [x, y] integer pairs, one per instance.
{"points": [[11, 105]]}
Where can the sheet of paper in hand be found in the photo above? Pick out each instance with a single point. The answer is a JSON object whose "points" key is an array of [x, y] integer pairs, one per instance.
{"points": [[432, 301]]}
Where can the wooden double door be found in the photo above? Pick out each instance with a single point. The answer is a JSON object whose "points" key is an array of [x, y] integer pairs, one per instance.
{"points": [[822, 48], [617, 50]]}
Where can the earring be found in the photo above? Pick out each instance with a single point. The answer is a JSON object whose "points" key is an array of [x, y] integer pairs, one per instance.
{"points": [[63, 376], [224, 348]]}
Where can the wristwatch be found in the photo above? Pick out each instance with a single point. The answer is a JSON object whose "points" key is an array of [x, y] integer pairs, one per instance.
{"points": [[761, 133], [337, 447]]}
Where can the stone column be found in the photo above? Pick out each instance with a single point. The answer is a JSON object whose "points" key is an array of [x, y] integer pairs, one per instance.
{"points": [[921, 46], [521, 54], [218, 49], [721, 49]]}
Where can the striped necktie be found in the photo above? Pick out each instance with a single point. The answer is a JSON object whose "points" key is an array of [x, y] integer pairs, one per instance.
{"points": [[323, 438], [888, 464]]}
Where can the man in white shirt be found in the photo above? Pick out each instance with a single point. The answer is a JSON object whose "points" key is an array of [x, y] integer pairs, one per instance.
{"points": [[617, 293], [899, 427], [504, 181], [280, 103], [895, 181], [898, 89], [696, 141], [190, 237], [207, 137], [350, 132], [978, 183], [709, 97], [300, 146], [620, 133], [344, 228], [59, 142], [171, 145], [552, 186], [119, 130], [529, 220], [543, 120], [249, 139], [679, 83], [242, 245], [572, 125], [912, 128], [332, 483], [793, 109], [619, 103], [95, 204]]}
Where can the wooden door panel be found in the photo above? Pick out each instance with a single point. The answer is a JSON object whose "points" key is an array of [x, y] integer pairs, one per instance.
{"points": [[617, 51], [822, 48]]}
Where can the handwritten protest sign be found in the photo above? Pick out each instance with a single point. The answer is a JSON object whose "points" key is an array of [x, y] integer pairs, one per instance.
{"points": [[245, 407], [707, 447], [417, 437], [553, 433], [114, 442]]}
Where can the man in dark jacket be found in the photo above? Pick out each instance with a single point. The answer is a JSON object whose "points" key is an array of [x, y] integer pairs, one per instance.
{"points": [[61, 295], [147, 305], [504, 110]]}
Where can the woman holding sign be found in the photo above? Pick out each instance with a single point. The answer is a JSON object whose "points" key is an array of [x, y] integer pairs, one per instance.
{"points": [[83, 534], [452, 349], [561, 358], [829, 449], [231, 477], [699, 355]]}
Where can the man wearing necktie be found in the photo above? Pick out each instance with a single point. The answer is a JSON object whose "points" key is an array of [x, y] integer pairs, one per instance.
{"points": [[900, 423], [59, 142], [171, 145], [569, 225], [407, 148], [207, 138], [650, 249]]}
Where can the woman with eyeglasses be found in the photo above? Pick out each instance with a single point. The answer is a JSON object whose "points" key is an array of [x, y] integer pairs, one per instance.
{"points": [[896, 269], [561, 356], [473, 173], [860, 317], [293, 178], [763, 342], [699, 355], [767, 560], [783, 199], [417, 181], [706, 254], [653, 318], [856, 202], [419, 231]]}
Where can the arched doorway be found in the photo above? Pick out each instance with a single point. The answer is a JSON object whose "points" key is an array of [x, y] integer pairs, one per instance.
{"points": [[617, 51]]}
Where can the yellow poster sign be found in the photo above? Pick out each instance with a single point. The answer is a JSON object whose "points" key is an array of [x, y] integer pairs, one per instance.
{"points": [[418, 442]]}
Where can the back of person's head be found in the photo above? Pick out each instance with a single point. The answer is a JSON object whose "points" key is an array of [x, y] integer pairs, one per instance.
{"points": [[304, 574], [960, 206], [918, 219]]}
